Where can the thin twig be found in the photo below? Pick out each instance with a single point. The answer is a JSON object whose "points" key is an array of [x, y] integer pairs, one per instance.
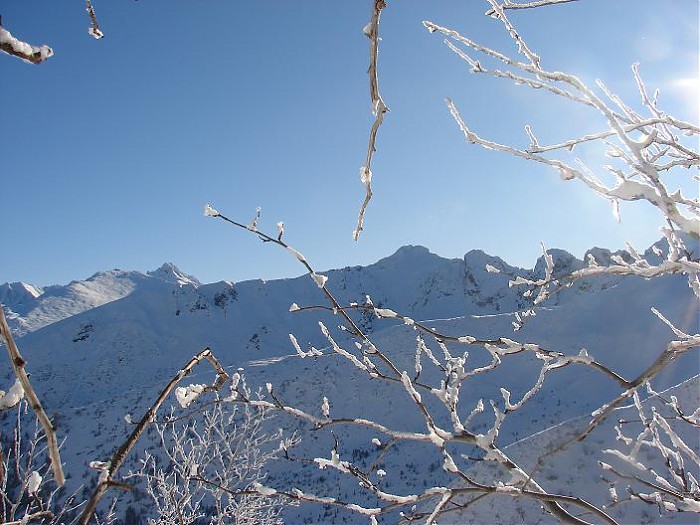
{"points": [[508, 4], [94, 29], [379, 108]]}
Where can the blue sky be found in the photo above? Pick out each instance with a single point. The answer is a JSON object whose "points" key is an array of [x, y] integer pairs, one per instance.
{"points": [[111, 148]]}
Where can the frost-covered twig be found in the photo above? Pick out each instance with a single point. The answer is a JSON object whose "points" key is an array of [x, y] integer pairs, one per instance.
{"points": [[94, 29], [223, 445], [27, 52], [674, 350], [509, 4], [443, 493], [110, 468], [500, 345], [321, 282], [646, 148], [19, 366], [678, 489], [435, 436], [28, 492], [379, 108]]}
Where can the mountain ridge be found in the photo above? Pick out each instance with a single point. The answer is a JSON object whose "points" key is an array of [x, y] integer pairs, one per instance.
{"points": [[31, 307]]}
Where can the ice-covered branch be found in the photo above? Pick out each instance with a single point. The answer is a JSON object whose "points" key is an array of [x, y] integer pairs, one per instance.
{"points": [[321, 282], [94, 30], [509, 4], [27, 52], [499, 346], [379, 108], [646, 147], [678, 489]]}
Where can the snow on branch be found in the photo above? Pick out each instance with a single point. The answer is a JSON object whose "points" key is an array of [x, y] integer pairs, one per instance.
{"points": [[509, 4], [379, 108], [644, 150], [94, 30], [27, 52], [321, 281], [675, 488]]}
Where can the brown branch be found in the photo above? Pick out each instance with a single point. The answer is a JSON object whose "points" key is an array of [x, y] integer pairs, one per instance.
{"points": [[19, 364], [379, 108], [122, 452], [41, 515]]}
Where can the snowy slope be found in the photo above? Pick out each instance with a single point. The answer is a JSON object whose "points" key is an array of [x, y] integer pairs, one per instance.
{"points": [[101, 348]]}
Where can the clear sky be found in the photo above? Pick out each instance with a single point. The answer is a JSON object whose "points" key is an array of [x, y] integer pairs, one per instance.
{"points": [[111, 148]]}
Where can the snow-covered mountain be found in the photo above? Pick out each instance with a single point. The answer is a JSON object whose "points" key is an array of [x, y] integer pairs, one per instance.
{"points": [[104, 347]]}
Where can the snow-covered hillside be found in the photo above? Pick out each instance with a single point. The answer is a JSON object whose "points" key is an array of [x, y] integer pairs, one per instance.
{"points": [[104, 347]]}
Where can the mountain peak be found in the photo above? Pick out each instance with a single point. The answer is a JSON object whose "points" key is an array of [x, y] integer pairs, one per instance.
{"points": [[18, 292], [172, 274], [410, 251]]}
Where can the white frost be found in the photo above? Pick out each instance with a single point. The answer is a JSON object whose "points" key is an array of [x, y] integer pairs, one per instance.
{"points": [[365, 175], [11, 398], [334, 462], [24, 49], [385, 312], [295, 343], [319, 279], [210, 211], [95, 33], [185, 395], [34, 482], [261, 489]]}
